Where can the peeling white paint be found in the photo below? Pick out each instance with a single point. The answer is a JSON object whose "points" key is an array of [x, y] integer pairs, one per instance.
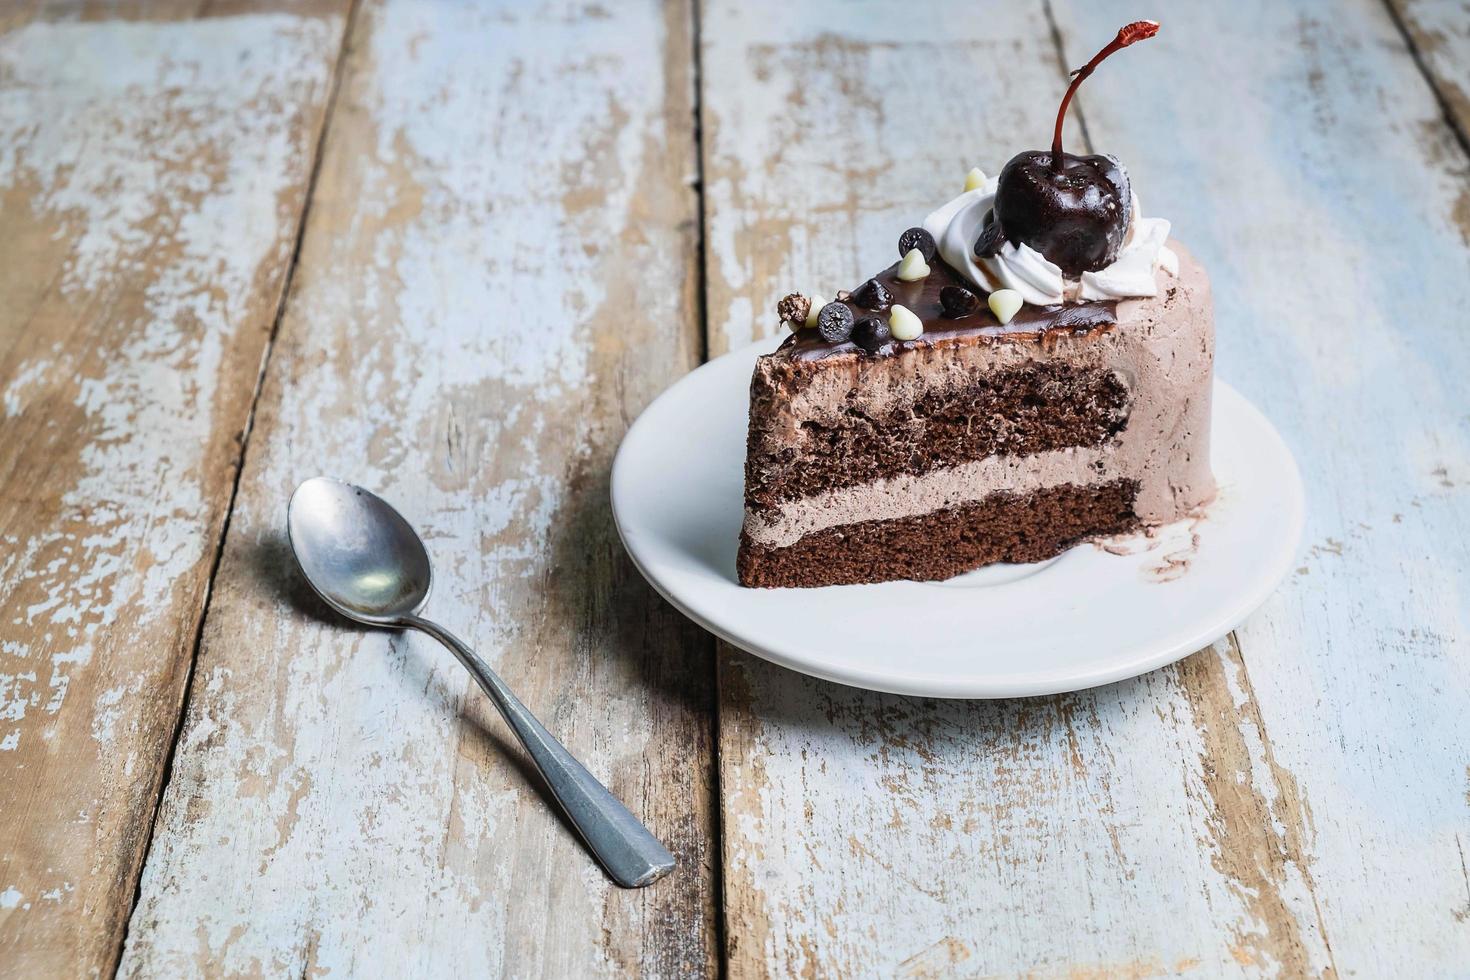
{"points": [[160, 151], [13, 398], [1358, 663], [107, 712], [434, 336], [162, 163], [1261, 130]]}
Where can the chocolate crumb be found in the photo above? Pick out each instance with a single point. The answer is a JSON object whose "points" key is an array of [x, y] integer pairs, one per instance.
{"points": [[794, 308]]}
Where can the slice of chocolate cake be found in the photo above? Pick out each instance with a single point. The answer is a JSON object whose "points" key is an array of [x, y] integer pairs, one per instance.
{"points": [[1034, 371]]}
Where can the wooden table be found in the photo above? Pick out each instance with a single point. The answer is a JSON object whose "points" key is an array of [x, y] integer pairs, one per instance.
{"points": [[449, 251]]}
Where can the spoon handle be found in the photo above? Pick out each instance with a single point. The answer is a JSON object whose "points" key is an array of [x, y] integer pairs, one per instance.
{"points": [[632, 856]]}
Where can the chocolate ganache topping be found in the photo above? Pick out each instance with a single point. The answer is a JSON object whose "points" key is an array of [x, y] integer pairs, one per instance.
{"points": [[943, 323]]}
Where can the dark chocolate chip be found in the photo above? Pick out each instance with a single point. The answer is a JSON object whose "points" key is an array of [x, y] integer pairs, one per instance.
{"points": [[992, 236], [873, 295], [872, 335], [917, 238], [957, 301], [834, 323]]}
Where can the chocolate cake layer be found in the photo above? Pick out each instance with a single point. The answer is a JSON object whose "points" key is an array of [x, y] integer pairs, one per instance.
{"points": [[1029, 409], [1007, 527], [974, 420]]}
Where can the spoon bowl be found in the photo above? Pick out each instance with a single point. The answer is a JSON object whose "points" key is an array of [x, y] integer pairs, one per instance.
{"points": [[357, 552]]}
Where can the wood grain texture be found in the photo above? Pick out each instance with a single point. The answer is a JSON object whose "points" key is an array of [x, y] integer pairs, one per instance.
{"points": [[1203, 818], [16, 13], [152, 178], [1439, 30], [1135, 830], [1333, 224], [875, 835], [498, 272]]}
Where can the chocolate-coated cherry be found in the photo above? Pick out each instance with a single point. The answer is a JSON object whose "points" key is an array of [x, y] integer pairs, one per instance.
{"points": [[1073, 210]]}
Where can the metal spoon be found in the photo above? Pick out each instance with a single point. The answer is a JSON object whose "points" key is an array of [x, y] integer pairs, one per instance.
{"points": [[366, 562]]}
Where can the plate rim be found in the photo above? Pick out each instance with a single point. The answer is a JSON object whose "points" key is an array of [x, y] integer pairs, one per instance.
{"points": [[994, 685]]}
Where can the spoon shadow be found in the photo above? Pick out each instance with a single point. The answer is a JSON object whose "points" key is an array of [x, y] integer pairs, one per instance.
{"points": [[421, 660], [274, 572]]}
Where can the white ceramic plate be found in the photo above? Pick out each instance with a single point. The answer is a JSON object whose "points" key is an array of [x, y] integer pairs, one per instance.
{"points": [[1093, 615]]}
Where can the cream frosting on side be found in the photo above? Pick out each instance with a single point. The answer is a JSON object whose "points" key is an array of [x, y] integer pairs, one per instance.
{"points": [[957, 225], [1162, 348]]}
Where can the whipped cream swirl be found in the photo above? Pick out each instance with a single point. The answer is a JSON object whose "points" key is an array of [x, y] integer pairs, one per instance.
{"points": [[1134, 273]]}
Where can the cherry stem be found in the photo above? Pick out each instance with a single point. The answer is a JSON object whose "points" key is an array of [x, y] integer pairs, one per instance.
{"points": [[1136, 31]]}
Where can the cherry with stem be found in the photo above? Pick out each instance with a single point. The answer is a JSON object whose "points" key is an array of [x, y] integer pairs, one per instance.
{"points": [[1136, 31], [1074, 210]]}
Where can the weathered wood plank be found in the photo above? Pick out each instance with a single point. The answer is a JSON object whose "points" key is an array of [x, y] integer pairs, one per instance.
{"points": [[1151, 826], [1440, 33], [16, 13], [152, 177], [1134, 830], [1317, 179], [499, 271]]}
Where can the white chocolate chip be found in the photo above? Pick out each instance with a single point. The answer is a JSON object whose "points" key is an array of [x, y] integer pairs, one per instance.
{"points": [[811, 316], [975, 179], [1005, 303], [903, 323], [913, 266]]}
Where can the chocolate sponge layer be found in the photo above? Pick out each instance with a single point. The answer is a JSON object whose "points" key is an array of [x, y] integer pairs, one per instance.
{"points": [[1005, 527]]}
